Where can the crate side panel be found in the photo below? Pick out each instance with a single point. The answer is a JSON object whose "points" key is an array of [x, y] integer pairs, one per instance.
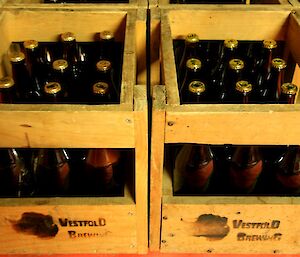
{"points": [[240, 228], [68, 229]]}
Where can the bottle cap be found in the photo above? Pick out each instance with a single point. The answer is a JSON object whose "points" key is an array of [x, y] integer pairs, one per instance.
{"points": [[289, 89], [231, 43], [278, 63], [31, 44], [197, 87], [236, 64], [243, 86], [193, 64], [106, 35], [6, 82], [52, 88], [17, 57], [103, 65], [67, 36], [269, 44], [60, 64], [192, 38], [100, 88]]}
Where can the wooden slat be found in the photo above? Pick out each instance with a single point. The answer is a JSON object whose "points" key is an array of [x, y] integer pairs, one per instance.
{"points": [[141, 167], [156, 165], [166, 4], [234, 124]]}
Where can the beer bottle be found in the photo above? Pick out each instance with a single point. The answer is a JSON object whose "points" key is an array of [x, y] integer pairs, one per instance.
{"points": [[35, 69], [243, 91], [107, 46], [268, 54], [288, 93], [270, 89], [69, 47], [52, 171], [20, 73], [104, 89], [16, 179], [53, 93], [234, 74], [191, 50], [198, 169], [245, 168], [8, 93], [60, 74], [101, 164]]}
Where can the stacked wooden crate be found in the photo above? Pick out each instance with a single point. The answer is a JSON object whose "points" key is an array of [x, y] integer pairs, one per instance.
{"points": [[173, 219], [123, 220]]}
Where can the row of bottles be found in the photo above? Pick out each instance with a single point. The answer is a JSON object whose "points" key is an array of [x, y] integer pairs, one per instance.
{"points": [[62, 172], [66, 71], [212, 71], [236, 170]]}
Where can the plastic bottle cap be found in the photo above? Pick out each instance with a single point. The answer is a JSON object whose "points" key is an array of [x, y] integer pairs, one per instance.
{"points": [[278, 63], [197, 87], [52, 88], [103, 65], [289, 89], [193, 64], [100, 88], [17, 57], [231, 43], [67, 36], [192, 38], [60, 64], [270, 44], [243, 86], [106, 35], [6, 82], [31, 44], [236, 64]]}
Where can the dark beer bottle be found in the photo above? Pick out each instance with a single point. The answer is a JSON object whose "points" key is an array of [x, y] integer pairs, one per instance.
{"points": [[191, 50], [243, 91], [264, 61], [198, 169], [60, 74], [104, 89], [53, 93], [288, 93], [52, 171], [8, 93], [35, 69], [107, 46], [16, 180], [20, 72], [69, 47], [101, 164]]}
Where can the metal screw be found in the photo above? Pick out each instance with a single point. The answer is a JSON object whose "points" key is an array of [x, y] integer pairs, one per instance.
{"points": [[171, 123], [130, 213], [163, 241], [128, 121], [165, 217]]}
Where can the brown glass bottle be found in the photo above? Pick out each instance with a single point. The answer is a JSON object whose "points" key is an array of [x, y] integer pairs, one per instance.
{"points": [[37, 73], [51, 169], [104, 89], [8, 93], [198, 169], [53, 93], [20, 72], [69, 47], [107, 46], [101, 164], [243, 90], [61, 74], [288, 93], [191, 50]]}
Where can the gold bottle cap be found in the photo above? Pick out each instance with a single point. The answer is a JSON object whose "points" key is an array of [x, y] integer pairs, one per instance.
{"points": [[31, 44], [52, 88], [192, 38], [269, 44], [243, 86], [67, 36], [236, 64], [17, 57], [6, 82], [106, 35], [193, 64], [60, 64], [100, 88], [231, 43], [103, 65], [278, 63], [289, 89], [197, 87]]}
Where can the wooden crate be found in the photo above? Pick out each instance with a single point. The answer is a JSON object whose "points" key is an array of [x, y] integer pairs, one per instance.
{"points": [[166, 3], [121, 125], [173, 218]]}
